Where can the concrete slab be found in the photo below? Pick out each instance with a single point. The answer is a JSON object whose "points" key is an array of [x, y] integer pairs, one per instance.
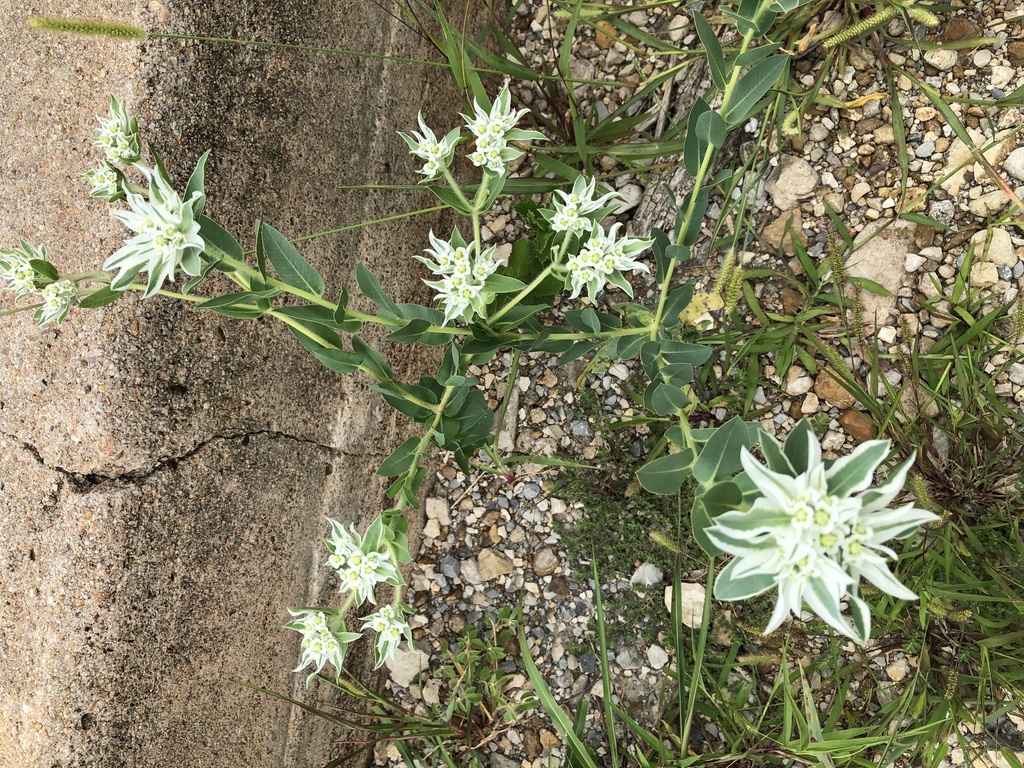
{"points": [[165, 475]]}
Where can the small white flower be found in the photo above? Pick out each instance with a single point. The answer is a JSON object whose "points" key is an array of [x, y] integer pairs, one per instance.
{"points": [[603, 259], [359, 568], [572, 209], [460, 291], [494, 129], [103, 182], [16, 269], [816, 531], [426, 146], [390, 627], [167, 235], [447, 257], [57, 299], [119, 135], [324, 639]]}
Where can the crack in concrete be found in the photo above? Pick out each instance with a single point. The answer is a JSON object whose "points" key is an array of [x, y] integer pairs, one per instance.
{"points": [[84, 482]]}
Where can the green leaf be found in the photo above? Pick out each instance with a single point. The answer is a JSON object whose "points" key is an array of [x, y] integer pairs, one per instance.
{"points": [[197, 183], [753, 86], [411, 332], [373, 290], [449, 366], [799, 446], [315, 315], [400, 460], [291, 267], [100, 298], [578, 350], [242, 305], [775, 458], [711, 129], [729, 587], [751, 57], [338, 360], [666, 474], [665, 399], [715, 501], [373, 359], [720, 457], [585, 320], [449, 198], [261, 253], [497, 283], [854, 473], [44, 269], [339, 310], [693, 152], [678, 300], [214, 234], [918, 218], [712, 51], [692, 225], [560, 721], [682, 352], [431, 315]]}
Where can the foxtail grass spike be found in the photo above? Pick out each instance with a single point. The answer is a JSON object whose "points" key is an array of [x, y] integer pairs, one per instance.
{"points": [[661, 539], [722, 281], [1018, 321], [733, 290], [92, 27], [858, 315], [862, 28], [790, 124], [835, 259], [927, 18]]}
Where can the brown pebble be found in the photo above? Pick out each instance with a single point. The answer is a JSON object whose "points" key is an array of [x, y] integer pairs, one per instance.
{"points": [[1015, 53], [827, 387], [604, 34], [858, 426], [959, 28], [531, 744], [924, 236]]}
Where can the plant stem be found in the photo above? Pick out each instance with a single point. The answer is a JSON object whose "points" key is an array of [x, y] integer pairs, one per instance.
{"points": [[536, 281], [702, 171], [698, 658]]}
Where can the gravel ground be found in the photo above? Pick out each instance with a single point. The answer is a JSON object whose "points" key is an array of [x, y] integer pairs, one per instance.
{"points": [[489, 543]]}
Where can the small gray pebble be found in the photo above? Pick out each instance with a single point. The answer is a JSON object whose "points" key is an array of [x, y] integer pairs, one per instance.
{"points": [[1005, 272], [1018, 270], [588, 663], [581, 428], [942, 210], [531, 491], [449, 566], [925, 150]]}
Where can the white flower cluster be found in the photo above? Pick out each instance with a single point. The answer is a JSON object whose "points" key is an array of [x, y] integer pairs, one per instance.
{"points": [[390, 626], [324, 639], [493, 130], [167, 235], [55, 298], [816, 531], [425, 145], [603, 259], [119, 135], [104, 182], [461, 287], [359, 567], [573, 209]]}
